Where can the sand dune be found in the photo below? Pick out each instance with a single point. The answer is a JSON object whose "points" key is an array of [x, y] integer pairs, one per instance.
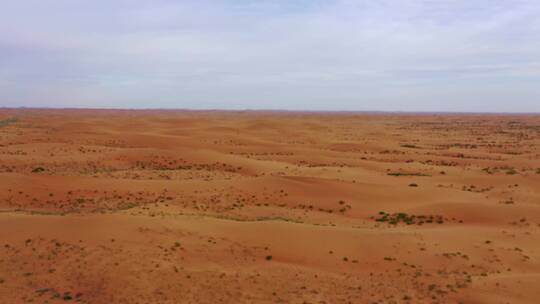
{"points": [[114, 206]]}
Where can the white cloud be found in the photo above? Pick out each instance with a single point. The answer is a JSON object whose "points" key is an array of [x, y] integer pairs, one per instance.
{"points": [[342, 55]]}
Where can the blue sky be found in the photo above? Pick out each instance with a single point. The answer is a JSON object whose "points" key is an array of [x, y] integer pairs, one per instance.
{"points": [[389, 55]]}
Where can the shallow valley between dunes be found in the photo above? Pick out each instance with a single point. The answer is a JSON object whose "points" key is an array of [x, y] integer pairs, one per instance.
{"points": [[148, 206]]}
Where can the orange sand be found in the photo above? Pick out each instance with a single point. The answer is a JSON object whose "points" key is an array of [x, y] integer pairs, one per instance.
{"points": [[103, 206]]}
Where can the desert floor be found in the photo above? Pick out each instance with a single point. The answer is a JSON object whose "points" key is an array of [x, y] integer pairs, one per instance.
{"points": [[105, 206]]}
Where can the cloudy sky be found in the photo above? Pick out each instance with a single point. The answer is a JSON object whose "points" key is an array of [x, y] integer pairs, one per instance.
{"points": [[390, 55]]}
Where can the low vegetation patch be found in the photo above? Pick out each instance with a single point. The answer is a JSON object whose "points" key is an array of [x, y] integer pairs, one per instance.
{"points": [[511, 171], [7, 122], [408, 219], [409, 146], [407, 174], [505, 169]]}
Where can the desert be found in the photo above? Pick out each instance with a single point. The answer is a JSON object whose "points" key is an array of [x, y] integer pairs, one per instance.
{"points": [[178, 206]]}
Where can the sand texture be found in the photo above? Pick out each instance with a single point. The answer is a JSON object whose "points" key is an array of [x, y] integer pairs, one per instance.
{"points": [[110, 206]]}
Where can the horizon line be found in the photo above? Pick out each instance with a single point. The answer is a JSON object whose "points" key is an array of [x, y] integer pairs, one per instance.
{"points": [[273, 110]]}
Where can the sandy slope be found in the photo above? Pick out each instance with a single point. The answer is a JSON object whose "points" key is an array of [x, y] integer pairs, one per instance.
{"points": [[262, 207]]}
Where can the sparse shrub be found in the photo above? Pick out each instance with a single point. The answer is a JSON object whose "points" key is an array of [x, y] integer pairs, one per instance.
{"points": [[67, 296]]}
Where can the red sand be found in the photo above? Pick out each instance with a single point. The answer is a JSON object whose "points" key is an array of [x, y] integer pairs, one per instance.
{"points": [[102, 206]]}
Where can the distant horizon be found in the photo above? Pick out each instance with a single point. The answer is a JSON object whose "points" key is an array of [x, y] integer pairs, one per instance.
{"points": [[270, 110]]}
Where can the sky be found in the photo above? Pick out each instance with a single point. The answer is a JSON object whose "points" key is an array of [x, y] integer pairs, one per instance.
{"points": [[386, 55]]}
